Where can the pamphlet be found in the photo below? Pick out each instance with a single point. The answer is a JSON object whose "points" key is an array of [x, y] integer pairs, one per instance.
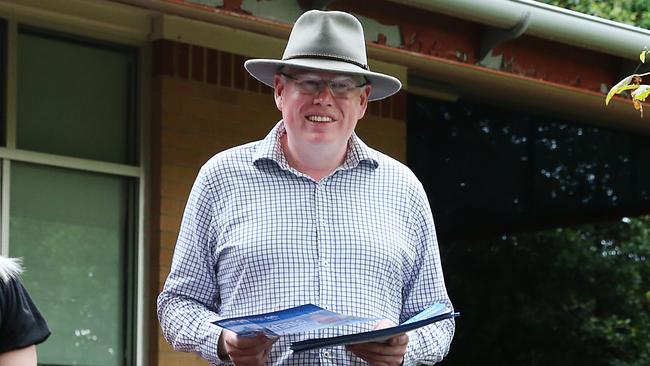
{"points": [[432, 314], [298, 319], [305, 318]]}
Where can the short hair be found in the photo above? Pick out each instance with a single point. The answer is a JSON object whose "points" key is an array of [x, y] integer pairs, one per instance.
{"points": [[9, 268]]}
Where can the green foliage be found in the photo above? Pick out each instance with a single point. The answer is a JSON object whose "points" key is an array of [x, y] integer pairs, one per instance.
{"points": [[567, 296], [633, 12]]}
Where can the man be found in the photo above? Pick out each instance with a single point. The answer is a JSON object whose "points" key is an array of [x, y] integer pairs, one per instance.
{"points": [[310, 214], [21, 324]]}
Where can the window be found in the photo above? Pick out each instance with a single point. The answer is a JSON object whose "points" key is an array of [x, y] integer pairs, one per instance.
{"points": [[75, 98], [70, 228], [70, 178]]}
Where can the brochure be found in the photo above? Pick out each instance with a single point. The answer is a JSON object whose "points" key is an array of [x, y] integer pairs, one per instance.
{"points": [[299, 319], [310, 317], [432, 314]]}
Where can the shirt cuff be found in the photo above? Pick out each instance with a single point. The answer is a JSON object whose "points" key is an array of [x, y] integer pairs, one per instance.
{"points": [[209, 348]]}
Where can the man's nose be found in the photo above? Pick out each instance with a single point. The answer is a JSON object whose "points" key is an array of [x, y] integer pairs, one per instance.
{"points": [[324, 95]]}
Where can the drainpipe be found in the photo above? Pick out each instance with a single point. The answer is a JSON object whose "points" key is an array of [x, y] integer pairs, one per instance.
{"points": [[548, 22]]}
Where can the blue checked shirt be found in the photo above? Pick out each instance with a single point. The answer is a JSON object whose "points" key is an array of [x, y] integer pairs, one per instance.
{"points": [[259, 236]]}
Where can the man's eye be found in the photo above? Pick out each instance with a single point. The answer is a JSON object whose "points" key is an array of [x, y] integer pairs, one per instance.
{"points": [[342, 85], [311, 84]]}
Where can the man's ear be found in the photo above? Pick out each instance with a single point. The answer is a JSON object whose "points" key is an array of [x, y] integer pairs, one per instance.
{"points": [[278, 86], [363, 100]]}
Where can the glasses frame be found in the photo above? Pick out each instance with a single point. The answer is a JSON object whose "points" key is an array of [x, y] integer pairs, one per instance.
{"points": [[321, 84]]}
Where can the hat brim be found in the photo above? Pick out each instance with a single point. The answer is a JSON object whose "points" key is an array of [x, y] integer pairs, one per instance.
{"points": [[383, 86]]}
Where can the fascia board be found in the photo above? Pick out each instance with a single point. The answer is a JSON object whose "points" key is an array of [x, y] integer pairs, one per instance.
{"points": [[546, 21]]}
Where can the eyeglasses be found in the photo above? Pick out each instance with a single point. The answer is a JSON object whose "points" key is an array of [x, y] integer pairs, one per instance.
{"points": [[340, 86]]}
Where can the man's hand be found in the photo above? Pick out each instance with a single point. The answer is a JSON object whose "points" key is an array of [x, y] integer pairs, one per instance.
{"points": [[388, 353], [245, 351]]}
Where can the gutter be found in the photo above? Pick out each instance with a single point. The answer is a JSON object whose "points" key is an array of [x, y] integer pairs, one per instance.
{"points": [[255, 37], [546, 21]]}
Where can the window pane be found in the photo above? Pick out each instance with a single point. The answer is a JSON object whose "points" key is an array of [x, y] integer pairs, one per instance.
{"points": [[73, 98], [70, 228]]}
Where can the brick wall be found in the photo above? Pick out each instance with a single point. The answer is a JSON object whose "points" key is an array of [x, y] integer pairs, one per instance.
{"points": [[205, 102]]}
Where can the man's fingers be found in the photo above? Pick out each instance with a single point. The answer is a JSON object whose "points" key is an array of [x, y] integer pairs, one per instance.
{"points": [[243, 343], [384, 323], [388, 347], [391, 352], [375, 359], [248, 350], [398, 340], [252, 356], [255, 360]]}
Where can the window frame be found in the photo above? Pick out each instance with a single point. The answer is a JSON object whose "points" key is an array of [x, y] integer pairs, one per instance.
{"points": [[102, 33]]}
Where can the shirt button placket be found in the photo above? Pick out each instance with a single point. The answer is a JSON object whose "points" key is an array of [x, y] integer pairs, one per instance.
{"points": [[326, 358], [323, 255]]}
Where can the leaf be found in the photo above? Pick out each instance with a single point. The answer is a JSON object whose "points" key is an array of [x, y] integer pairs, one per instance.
{"points": [[618, 88], [642, 56], [638, 106], [641, 92]]}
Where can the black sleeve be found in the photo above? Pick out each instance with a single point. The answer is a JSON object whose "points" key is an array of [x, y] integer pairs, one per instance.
{"points": [[21, 324]]}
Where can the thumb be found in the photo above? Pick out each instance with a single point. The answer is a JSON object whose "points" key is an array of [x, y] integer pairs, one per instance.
{"points": [[384, 323]]}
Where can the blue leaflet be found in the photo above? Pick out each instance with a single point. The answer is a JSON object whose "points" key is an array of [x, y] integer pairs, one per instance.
{"points": [[298, 319]]}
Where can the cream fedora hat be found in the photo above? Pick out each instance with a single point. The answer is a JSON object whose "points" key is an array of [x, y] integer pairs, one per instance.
{"points": [[327, 41]]}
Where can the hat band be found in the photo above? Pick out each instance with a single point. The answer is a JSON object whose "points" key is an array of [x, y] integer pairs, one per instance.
{"points": [[326, 57]]}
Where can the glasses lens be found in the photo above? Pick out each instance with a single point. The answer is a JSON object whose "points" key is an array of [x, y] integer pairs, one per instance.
{"points": [[310, 86], [340, 86]]}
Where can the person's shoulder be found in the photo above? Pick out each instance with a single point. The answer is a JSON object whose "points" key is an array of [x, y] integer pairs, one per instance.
{"points": [[239, 154], [239, 159], [399, 180], [227, 167], [234, 158], [19, 315], [395, 169]]}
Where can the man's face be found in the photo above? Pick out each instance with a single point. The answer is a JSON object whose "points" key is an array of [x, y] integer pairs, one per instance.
{"points": [[314, 115]]}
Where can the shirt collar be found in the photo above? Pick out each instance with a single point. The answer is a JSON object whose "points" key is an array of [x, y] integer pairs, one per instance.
{"points": [[359, 152], [270, 149]]}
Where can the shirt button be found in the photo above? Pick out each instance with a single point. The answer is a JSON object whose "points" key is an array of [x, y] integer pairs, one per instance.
{"points": [[327, 354], [323, 222], [325, 263]]}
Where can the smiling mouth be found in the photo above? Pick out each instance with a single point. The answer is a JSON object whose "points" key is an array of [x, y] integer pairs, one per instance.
{"points": [[320, 119]]}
